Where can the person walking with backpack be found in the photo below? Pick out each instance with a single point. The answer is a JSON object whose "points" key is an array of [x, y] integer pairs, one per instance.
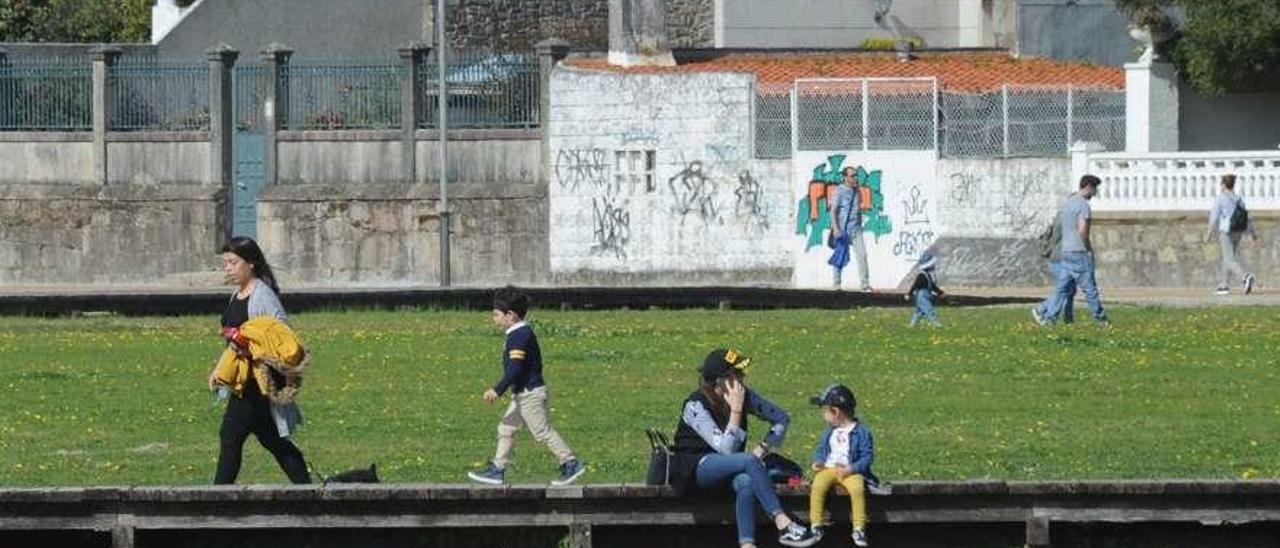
{"points": [[1077, 265], [1229, 221]]}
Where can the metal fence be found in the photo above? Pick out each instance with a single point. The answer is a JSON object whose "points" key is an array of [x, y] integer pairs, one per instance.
{"points": [[485, 89], [343, 96], [158, 97], [46, 97], [899, 114]]}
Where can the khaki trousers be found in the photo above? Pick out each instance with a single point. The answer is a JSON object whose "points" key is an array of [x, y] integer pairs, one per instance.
{"points": [[529, 408]]}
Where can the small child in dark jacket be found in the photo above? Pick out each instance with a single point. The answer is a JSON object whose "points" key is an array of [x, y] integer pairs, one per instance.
{"points": [[843, 456], [924, 290]]}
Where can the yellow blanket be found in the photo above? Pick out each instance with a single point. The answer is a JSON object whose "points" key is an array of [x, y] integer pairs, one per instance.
{"points": [[271, 344]]}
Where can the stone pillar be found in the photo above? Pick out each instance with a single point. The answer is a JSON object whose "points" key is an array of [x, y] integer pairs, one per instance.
{"points": [[1151, 108], [638, 33], [411, 57], [276, 107], [550, 52], [222, 60], [103, 58]]}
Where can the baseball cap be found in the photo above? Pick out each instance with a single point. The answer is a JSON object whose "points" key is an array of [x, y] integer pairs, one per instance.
{"points": [[836, 395], [721, 361]]}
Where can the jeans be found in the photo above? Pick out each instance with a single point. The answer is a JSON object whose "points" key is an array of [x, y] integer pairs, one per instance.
{"points": [[859, 255], [1230, 242], [924, 308], [251, 414], [750, 481], [1055, 305], [1078, 272]]}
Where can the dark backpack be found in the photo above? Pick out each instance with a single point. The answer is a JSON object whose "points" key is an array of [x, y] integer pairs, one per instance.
{"points": [[1239, 218], [1051, 238]]}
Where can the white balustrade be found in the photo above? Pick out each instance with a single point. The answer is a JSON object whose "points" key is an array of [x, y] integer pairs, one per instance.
{"points": [[1179, 181]]}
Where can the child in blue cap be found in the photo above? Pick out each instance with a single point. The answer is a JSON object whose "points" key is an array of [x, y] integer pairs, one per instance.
{"points": [[925, 290]]}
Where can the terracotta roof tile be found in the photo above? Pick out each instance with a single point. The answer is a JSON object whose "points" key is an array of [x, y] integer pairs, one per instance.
{"points": [[956, 71]]}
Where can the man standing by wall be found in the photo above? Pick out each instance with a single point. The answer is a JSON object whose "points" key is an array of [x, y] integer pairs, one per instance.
{"points": [[1077, 266], [1229, 221], [846, 225]]}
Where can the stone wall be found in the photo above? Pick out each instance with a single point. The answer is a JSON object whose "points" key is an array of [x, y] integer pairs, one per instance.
{"points": [[128, 234], [1140, 249], [518, 24], [388, 234]]}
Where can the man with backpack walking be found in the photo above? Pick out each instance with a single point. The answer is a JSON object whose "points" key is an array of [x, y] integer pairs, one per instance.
{"points": [[1229, 221], [1076, 269]]}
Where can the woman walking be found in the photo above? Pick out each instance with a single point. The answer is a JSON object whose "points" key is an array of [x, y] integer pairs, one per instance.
{"points": [[250, 411]]}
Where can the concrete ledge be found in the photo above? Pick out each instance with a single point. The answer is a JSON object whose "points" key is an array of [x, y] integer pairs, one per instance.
{"points": [[531, 134], [46, 136], [339, 135], [157, 136], [420, 135], [475, 298], [120, 193], [399, 192]]}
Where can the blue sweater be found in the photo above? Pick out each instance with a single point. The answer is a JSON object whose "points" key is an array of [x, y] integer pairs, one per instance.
{"points": [[862, 451], [521, 362]]}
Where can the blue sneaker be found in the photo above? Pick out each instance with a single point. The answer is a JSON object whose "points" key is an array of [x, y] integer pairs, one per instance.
{"points": [[569, 472], [491, 475]]}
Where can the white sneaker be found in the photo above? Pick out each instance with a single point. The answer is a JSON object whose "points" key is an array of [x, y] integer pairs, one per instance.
{"points": [[1035, 313], [860, 538], [1222, 291]]}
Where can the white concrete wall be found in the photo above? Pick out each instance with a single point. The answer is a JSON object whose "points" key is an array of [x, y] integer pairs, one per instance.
{"points": [[708, 206], [1000, 198]]}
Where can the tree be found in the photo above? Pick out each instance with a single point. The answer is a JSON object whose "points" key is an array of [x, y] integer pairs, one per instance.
{"points": [[121, 21], [1219, 45]]}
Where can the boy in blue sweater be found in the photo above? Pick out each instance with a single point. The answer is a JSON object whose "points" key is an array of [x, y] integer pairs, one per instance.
{"points": [[842, 456], [522, 374]]}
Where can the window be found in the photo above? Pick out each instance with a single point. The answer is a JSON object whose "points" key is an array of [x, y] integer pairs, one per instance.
{"points": [[633, 169]]}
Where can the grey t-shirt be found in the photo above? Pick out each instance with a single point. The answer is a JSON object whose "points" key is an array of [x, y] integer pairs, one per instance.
{"points": [[1075, 208]]}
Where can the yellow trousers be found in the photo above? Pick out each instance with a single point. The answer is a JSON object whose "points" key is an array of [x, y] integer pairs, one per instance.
{"points": [[824, 481]]}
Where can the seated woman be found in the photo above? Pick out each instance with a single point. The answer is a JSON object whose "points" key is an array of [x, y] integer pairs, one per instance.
{"points": [[710, 447]]}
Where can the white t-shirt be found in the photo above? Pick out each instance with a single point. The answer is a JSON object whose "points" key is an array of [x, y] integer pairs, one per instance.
{"points": [[839, 443]]}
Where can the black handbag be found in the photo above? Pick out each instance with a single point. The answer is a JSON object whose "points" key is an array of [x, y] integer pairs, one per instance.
{"points": [[659, 458], [782, 469], [358, 475]]}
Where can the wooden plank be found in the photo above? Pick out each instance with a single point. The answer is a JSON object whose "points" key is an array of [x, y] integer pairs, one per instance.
{"points": [[1038, 532], [580, 535]]}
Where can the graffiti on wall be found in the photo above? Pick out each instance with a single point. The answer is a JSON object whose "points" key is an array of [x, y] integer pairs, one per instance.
{"points": [[579, 167], [695, 193], [813, 215], [1002, 202], [612, 227], [750, 202]]}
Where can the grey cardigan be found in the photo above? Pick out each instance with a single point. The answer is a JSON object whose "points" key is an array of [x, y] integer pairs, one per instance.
{"points": [[263, 301]]}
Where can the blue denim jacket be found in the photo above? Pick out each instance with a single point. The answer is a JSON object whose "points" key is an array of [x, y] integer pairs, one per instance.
{"points": [[862, 450]]}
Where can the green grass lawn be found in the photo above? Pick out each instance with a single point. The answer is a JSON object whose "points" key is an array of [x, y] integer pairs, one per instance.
{"points": [[1163, 393]]}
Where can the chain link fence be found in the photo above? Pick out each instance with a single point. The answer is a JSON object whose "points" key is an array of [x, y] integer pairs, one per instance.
{"points": [[154, 96], [1015, 121]]}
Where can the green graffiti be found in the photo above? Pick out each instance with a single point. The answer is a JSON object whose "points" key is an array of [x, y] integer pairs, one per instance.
{"points": [[812, 211], [874, 220]]}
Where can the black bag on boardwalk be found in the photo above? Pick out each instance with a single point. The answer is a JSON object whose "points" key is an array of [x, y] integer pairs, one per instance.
{"points": [[358, 475], [659, 458], [782, 470]]}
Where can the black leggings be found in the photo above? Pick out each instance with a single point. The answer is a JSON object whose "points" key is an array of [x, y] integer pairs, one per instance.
{"points": [[251, 414]]}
